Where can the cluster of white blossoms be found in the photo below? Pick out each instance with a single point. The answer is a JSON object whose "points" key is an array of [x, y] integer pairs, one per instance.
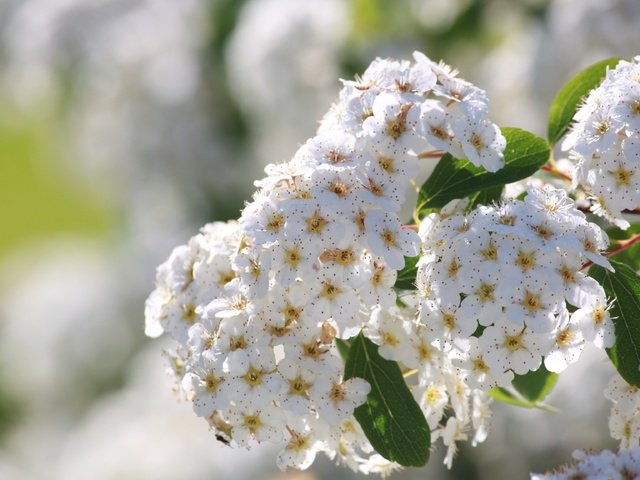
{"points": [[390, 107], [256, 304], [494, 286], [606, 465], [624, 419], [605, 141]]}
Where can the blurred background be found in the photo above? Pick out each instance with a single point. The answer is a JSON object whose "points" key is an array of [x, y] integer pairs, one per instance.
{"points": [[127, 124]]}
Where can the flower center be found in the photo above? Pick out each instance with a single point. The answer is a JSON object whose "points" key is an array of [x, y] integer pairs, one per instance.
{"points": [[526, 260], [329, 291], [275, 223], [386, 164], [439, 132], [513, 343], [237, 343], [252, 423], [225, 277], [189, 313], [338, 392], [477, 142], [339, 188], [485, 292], [621, 176], [292, 257], [564, 337], [211, 382], [490, 252], [532, 302], [454, 266], [298, 386], [316, 223], [253, 377], [479, 365], [389, 237], [567, 274], [334, 156], [449, 320]]}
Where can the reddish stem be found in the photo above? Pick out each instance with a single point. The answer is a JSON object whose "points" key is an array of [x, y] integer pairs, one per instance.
{"points": [[432, 154], [556, 172], [622, 245]]}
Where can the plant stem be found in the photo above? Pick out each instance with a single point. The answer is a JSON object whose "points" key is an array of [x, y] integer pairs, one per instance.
{"points": [[431, 154], [553, 170], [622, 245]]}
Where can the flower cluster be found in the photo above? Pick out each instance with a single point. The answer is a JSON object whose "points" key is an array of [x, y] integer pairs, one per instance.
{"points": [[605, 140], [389, 105], [495, 285], [597, 466], [624, 420], [256, 304]]}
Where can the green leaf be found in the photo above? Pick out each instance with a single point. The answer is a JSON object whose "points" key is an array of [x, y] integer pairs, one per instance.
{"points": [[343, 348], [535, 386], [390, 418], [506, 396], [407, 276], [485, 197], [623, 286], [631, 255], [457, 178], [529, 390], [569, 98]]}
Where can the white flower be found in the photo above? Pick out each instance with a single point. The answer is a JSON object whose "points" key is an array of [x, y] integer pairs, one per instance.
{"points": [[510, 347], [391, 334], [625, 427], [262, 220], [569, 344], [335, 399], [208, 387], [436, 125], [386, 237], [298, 381], [305, 440], [258, 385], [432, 398], [453, 433], [482, 143], [380, 465], [625, 397], [248, 422], [595, 321], [392, 127], [378, 282]]}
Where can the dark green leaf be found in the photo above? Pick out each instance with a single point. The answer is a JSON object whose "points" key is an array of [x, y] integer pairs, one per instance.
{"points": [[569, 98], [343, 348], [506, 396], [407, 276], [623, 286], [391, 419], [529, 390], [485, 197], [615, 233], [535, 386], [631, 255], [457, 178]]}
